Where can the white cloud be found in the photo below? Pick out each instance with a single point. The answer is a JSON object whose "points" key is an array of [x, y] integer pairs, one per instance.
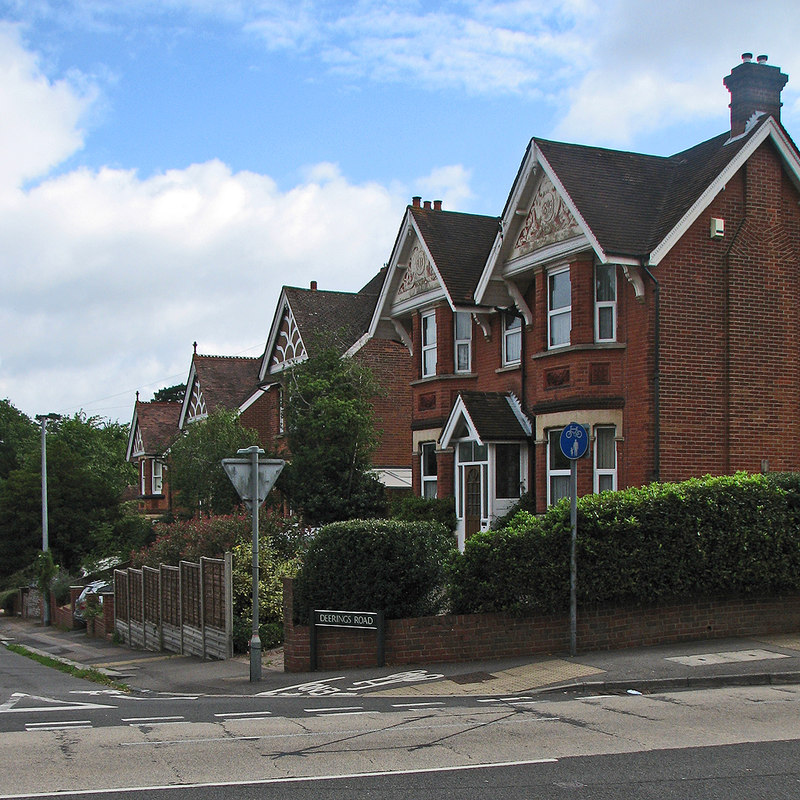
{"points": [[109, 277], [40, 118], [449, 184]]}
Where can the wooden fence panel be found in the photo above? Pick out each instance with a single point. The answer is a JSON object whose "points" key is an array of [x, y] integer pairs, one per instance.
{"points": [[184, 609]]}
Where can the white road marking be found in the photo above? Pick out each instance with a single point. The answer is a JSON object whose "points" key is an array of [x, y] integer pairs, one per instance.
{"points": [[151, 719], [415, 705], [310, 779], [10, 706], [729, 657], [338, 709], [245, 714]]}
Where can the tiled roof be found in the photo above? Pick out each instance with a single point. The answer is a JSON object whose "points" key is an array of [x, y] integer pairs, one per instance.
{"points": [[493, 416], [459, 244], [158, 425], [341, 316], [631, 201], [226, 381]]}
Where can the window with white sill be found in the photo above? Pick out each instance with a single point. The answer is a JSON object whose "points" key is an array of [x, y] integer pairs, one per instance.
{"points": [[605, 459], [428, 323], [605, 303], [428, 470], [512, 338], [558, 468], [559, 308], [462, 324]]}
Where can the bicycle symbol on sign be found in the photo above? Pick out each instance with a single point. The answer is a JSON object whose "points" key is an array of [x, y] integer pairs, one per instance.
{"points": [[574, 440]]}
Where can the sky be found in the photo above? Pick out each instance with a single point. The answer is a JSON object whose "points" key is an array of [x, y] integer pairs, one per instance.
{"points": [[167, 165]]}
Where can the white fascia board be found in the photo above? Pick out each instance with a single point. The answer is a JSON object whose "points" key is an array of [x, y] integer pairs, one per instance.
{"points": [[587, 231], [558, 251], [382, 306], [357, 345], [534, 158], [771, 130], [283, 304], [254, 396], [528, 165], [458, 410], [132, 433], [187, 396], [523, 420]]}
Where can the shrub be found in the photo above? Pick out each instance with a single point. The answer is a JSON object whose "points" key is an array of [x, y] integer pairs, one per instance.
{"points": [[723, 537], [376, 565], [412, 508]]}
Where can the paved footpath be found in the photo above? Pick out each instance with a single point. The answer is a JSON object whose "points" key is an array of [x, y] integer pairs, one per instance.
{"points": [[762, 660]]}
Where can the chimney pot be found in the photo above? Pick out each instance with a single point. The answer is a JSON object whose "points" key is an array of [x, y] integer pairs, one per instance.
{"points": [[427, 205], [754, 88], [437, 205], [313, 286], [416, 201]]}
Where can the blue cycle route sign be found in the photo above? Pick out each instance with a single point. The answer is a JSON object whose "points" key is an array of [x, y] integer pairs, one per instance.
{"points": [[574, 441]]}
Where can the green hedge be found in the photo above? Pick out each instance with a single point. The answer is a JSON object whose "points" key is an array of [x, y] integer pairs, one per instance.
{"points": [[715, 537], [376, 565]]}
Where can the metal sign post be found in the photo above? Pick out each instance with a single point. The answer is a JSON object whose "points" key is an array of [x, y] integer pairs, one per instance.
{"points": [[574, 443], [253, 480]]}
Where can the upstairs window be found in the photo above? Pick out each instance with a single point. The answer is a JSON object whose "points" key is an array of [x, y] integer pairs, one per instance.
{"points": [[605, 303], [512, 338], [158, 477], [428, 344], [428, 470], [463, 341], [559, 308]]}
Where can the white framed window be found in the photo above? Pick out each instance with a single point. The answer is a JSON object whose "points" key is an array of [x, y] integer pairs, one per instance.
{"points": [[558, 468], [428, 322], [462, 324], [143, 468], [428, 470], [281, 411], [512, 338], [605, 303], [605, 459], [559, 308], [472, 492], [158, 477]]}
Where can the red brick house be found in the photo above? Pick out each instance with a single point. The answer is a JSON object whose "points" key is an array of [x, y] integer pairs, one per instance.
{"points": [[153, 429], [305, 318], [652, 299]]}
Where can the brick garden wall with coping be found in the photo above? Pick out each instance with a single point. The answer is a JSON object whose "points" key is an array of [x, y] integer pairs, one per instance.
{"points": [[471, 637]]}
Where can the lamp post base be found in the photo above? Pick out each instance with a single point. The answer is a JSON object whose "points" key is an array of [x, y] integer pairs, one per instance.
{"points": [[255, 658]]}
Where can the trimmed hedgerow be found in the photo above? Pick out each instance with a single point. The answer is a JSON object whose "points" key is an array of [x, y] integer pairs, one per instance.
{"points": [[726, 536], [375, 565]]}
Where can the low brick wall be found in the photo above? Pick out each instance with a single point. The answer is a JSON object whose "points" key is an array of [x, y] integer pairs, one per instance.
{"points": [[470, 637]]}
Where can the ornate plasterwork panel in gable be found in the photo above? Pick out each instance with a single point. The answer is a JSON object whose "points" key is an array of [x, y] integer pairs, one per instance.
{"points": [[419, 277], [197, 403], [549, 221], [289, 348]]}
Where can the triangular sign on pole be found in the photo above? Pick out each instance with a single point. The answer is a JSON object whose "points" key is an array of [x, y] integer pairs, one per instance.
{"points": [[239, 471]]}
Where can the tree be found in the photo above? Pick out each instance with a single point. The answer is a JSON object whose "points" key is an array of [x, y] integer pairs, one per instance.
{"points": [[331, 435], [172, 394], [86, 477], [196, 471], [18, 435]]}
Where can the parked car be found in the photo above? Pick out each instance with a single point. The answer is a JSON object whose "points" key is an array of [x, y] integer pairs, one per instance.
{"points": [[95, 587]]}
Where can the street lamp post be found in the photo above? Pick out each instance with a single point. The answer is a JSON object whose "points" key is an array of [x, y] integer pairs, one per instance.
{"points": [[44, 419]]}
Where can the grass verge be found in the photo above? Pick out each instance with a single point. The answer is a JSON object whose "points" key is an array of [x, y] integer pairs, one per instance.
{"points": [[87, 673]]}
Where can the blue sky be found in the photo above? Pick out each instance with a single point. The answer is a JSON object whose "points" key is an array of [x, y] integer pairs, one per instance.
{"points": [[165, 166]]}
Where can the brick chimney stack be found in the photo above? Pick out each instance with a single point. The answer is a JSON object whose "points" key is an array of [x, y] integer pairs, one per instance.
{"points": [[754, 87]]}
